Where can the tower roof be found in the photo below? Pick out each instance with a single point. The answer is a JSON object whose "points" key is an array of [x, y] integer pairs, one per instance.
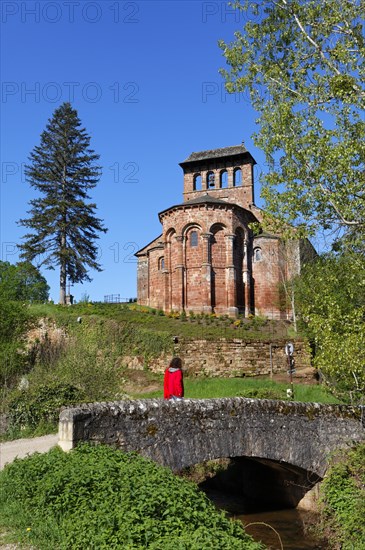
{"points": [[202, 199], [233, 150]]}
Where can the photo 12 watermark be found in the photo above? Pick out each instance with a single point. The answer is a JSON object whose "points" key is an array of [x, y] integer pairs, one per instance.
{"points": [[220, 11], [216, 91], [29, 12], [121, 172], [125, 173], [226, 12], [69, 91], [116, 252]]}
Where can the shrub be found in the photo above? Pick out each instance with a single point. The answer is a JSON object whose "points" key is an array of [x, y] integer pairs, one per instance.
{"points": [[42, 405], [96, 497], [343, 497], [14, 321], [262, 393]]}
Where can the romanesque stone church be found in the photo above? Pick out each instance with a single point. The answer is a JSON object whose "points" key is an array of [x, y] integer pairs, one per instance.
{"points": [[208, 259]]}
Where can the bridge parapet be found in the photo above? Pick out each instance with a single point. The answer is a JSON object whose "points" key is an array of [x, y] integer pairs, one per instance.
{"points": [[178, 434]]}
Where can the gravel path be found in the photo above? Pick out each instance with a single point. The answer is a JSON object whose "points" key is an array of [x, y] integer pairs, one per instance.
{"points": [[22, 447]]}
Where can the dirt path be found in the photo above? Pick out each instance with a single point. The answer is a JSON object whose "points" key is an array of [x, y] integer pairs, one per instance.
{"points": [[22, 447]]}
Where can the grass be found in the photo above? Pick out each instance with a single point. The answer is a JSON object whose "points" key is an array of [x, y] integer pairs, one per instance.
{"points": [[205, 388], [186, 326]]}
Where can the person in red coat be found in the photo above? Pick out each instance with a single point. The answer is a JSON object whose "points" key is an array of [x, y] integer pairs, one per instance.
{"points": [[173, 384]]}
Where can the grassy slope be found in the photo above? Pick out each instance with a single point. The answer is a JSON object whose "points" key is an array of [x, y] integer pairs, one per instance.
{"points": [[150, 325], [199, 326]]}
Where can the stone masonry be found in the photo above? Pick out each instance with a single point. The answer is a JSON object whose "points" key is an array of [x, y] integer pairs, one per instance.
{"points": [[232, 358], [182, 433], [208, 258]]}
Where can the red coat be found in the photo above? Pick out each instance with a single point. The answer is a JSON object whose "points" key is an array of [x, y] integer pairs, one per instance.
{"points": [[173, 385]]}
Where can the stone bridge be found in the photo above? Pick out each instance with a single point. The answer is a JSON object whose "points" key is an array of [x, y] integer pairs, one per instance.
{"points": [[277, 448]]}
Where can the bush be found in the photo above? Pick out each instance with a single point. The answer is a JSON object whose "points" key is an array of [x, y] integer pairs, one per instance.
{"points": [[343, 497], [30, 408], [14, 321], [96, 497], [263, 393]]}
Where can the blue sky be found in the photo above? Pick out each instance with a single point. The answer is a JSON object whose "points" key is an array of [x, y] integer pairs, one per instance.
{"points": [[143, 76]]}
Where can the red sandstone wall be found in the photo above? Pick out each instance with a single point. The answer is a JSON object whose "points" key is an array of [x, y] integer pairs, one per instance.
{"points": [[214, 274], [267, 274], [142, 280], [156, 279]]}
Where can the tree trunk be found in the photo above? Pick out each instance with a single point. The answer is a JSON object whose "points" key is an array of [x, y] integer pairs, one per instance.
{"points": [[63, 285], [63, 275]]}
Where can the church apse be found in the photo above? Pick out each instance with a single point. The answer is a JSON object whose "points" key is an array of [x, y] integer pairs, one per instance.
{"points": [[207, 259]]}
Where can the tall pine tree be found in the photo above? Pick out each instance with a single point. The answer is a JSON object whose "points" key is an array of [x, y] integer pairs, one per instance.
{"points": [[64, 226]]}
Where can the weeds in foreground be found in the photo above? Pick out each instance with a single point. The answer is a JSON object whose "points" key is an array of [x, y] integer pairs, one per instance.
{"points": [[98, 497]]}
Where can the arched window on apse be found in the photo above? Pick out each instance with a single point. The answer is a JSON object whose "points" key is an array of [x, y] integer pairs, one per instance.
{"points": [[197, 182], [237, 177], [161, 263], [193, 238], [223, 179]]}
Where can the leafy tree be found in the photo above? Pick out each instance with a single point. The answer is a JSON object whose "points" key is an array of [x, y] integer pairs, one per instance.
{"points": [[331, 295], [22, 281], [302, 63], [64, 227]]}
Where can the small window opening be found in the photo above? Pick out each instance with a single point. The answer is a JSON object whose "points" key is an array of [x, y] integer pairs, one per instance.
{"points": [[194, 238], [223, 183], [161, 263], [197, 182], [210, 180], [237, 177], [257, 255]]}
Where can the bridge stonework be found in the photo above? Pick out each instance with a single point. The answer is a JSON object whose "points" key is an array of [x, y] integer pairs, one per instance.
{"points": [[179, 434]]}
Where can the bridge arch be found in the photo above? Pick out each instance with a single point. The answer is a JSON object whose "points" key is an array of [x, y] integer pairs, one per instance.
{"points": [[281, 440]]}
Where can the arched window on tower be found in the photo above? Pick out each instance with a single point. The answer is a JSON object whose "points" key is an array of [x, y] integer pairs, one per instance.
{"points": [[223, 179], [197, 182], [237, 177], [210, 180], [193, 238]]}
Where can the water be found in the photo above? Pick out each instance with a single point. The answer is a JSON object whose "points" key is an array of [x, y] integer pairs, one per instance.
{"points": [[278, 529], [285, 526]]}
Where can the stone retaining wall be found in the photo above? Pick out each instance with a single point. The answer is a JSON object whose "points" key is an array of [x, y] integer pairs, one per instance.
{"points": [[233, 358]]}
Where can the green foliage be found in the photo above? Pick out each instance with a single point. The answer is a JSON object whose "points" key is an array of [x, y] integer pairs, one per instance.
{"points": [[331, 295], [89, 360], [62, 221], [30, 408], [343, 497], [302, 65], [89, 357], [263, 393], [22, 281], [14, 321], [96, 497]]}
